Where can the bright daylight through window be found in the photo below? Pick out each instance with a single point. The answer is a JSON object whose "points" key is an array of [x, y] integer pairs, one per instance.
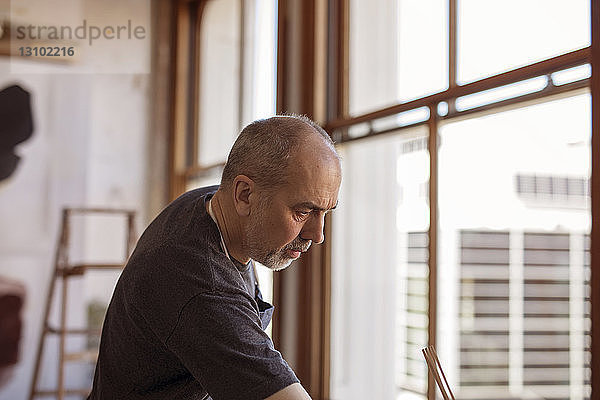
{"points": [[505, 211]]}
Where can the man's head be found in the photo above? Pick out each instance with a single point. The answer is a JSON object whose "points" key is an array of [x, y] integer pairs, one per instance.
{"points": [[284, 175]]}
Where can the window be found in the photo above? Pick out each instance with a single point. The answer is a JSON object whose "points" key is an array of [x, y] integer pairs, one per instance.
{"points": [[520, 268], [537, 341], [401, 57], [569, 190], [237, 72], [220, 80], [488, 258], [227, 79], [497, 37], [448, 113], [379, 271]]}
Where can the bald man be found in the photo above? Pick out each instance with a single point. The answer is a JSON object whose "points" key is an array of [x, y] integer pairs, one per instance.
{"points": [[187, 318]]}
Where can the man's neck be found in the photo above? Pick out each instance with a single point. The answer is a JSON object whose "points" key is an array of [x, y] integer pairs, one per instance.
{"points": [[229, 225]]}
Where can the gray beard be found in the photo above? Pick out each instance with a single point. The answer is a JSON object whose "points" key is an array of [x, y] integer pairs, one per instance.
{"points": [[253, 245]]}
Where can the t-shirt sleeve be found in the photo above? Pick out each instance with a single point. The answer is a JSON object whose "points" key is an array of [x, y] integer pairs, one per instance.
{"points": [[218, 338]]}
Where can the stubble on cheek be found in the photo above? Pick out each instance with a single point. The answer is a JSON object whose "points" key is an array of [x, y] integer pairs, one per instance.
{"points": [[255, 245]]}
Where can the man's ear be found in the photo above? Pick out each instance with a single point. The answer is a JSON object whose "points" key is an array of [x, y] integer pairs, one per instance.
{"points": [[243, 188]]}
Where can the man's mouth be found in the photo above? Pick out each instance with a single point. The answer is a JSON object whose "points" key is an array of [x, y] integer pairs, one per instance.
{"points": [[293, 253], [296, 252]]}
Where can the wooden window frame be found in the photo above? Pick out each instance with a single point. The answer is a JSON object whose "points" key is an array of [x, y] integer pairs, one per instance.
{"points": [[183, 153], [300, 90]]}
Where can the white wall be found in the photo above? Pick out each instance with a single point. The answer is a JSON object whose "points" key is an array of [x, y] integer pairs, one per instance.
{"points": [[88, 149]]}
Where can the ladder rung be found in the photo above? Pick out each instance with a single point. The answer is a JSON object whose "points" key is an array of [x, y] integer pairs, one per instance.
{"points": [[79, 269], [100, 210], [47, 393], [88, 355], [82, 331]]}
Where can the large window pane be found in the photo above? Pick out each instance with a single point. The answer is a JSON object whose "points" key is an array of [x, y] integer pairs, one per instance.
{"points": [[379, 270], [494, 37], [513, 268], [230, 100], [260, 59], [219, 119], [400, 57], [423, 46]]}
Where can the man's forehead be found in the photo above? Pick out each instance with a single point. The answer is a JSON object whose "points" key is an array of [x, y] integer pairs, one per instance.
{"points": [[312, 206], [315, 196]]}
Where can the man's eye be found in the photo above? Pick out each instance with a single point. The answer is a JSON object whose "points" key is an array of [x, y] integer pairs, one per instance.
{"points": [[302, 214]]}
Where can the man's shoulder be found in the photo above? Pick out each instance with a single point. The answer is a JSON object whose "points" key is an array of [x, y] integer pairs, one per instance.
{"points": [[183, 271], [171, 264], [157, 283], [184, 222]]}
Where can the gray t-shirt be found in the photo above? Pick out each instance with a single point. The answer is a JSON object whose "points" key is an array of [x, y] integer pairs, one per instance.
{"points": [[182, 321]]}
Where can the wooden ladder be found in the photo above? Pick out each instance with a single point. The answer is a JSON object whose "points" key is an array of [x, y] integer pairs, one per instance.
{"points": [[64, 270]]}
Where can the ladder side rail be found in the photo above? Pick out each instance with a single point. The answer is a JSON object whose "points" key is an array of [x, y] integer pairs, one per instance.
{"points": [[60, 260], [130, 234]]}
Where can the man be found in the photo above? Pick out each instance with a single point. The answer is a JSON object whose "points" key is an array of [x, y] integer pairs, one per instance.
{"points": [[187, 319]]}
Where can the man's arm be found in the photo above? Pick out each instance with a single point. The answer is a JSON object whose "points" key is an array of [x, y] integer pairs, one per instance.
{"points": [[218, 338], [295, 391]]}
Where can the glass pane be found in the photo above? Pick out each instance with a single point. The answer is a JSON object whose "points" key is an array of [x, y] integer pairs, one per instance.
{"points": [[219, 120], [501, 93], [220, 97], [514, 252], [495, 37], [379, 269], [423, 44], [260, 59], [572, 74], [401, 57]]}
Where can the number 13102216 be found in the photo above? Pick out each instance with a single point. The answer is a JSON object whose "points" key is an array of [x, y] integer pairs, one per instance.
{"points": [[47, 51]]}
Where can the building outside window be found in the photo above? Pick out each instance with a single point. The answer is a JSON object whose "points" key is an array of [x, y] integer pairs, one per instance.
{"points": [[511, 202]]}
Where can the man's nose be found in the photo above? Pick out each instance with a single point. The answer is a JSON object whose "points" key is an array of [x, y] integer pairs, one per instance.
{"points": [[313, 229]]}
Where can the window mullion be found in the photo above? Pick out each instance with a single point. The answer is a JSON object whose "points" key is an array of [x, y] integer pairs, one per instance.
{"points": [[452, 43], [433, 235]]}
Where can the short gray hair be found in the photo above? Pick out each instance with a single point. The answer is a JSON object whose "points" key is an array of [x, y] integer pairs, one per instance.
{"points": [[264, 147]]}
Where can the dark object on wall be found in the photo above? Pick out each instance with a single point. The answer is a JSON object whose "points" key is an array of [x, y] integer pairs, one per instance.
{"points": [[16, 126], [12, 296]]}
